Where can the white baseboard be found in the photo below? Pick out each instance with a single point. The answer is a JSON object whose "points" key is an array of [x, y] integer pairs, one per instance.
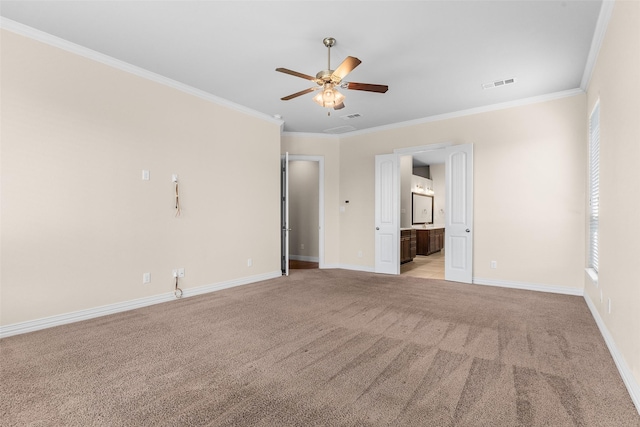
{"points": [[627, 376], [528, 286], [304, 258], [90, 313], [205, 289]]}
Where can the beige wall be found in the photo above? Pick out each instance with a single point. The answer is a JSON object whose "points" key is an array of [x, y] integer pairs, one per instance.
{"points": [[528, 189], [80, 227], [616, 82], [303, 209], [439, 191], [327, 148], [406, 171]]}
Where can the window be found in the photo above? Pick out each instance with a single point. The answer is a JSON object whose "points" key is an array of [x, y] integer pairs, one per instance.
{"points": [[594, 185]]}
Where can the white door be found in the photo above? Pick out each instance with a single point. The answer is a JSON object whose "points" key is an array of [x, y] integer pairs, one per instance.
{"points": [[387, 226], [459, 214], [284, 214]]}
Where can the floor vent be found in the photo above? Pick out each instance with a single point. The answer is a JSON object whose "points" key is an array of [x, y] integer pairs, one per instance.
{"points": [[350, 116], [340, 129], [499, 83]]}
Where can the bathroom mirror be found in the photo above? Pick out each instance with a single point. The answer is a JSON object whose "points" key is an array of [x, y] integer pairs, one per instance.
{"points": [[422, 209]]}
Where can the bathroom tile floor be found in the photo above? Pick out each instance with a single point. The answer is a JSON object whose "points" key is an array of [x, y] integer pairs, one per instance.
{"points": [[427, 267]]}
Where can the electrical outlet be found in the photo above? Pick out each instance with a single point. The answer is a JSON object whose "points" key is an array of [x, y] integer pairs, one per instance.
{"points": [[302, 246], [609, 308], [601, 297], [175, 272], [174, 177], [494, 264], [249, 262], [181, 272], [146, 278], [145, 175], [359, 254]]}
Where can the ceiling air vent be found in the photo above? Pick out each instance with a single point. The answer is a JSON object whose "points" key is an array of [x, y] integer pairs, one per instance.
{"points": [[499, 83], [350, 116], [340, 129]]}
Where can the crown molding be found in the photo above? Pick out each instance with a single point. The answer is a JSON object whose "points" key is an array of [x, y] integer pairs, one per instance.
{"points": [[41, 36], [311, 135], [52, 40], [470, 112], [452, 115], [606, 10]]}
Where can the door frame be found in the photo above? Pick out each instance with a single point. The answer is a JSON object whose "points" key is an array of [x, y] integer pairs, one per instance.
{"points": [[284, 213], [399, 152], [320, 160]]}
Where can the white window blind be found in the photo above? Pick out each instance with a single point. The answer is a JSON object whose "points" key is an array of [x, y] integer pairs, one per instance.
{"points": [[594, 185]]}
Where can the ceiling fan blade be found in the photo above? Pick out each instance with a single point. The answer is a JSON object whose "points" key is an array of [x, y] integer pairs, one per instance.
{"points": [[367, 87], [346, 67], [295, 73], [339, 106], [297, 94]]}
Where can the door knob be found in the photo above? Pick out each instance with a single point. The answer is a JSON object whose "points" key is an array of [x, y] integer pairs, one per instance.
{"points": [[467, 230]]}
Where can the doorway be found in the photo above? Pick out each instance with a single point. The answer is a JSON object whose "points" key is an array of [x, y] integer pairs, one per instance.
{"points": [[423, 174], [306, 212], [458, 211]]}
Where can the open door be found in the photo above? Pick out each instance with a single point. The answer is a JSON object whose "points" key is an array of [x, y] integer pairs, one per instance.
{"points": [[387, 213], [459, 213], [284, 214]]}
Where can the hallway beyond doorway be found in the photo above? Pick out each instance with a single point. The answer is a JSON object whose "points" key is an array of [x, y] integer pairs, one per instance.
{"points": [[302, 265]]}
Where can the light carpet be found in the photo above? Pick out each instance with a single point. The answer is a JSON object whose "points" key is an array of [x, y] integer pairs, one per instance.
{"points": [[323, 348]]}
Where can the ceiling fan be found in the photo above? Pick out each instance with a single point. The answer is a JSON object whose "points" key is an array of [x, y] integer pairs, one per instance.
{"points": [[327, 81]]}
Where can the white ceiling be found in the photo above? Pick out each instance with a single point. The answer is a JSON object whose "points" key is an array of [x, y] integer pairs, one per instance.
{"points": [[434, 55]]}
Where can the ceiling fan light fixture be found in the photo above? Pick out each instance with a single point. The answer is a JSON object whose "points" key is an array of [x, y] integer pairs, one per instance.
{"points": [[329, 97]]}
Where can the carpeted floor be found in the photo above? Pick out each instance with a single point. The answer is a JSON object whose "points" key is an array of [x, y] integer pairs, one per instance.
{"points": [[323, 348]]}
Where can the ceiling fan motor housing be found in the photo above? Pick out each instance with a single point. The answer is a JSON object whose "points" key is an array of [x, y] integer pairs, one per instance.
{"points": [[329, 41], [326, 76]]}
